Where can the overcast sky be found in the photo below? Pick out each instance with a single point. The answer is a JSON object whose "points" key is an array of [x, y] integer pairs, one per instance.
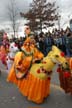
{"points": [[65, 8], [21, 4]]}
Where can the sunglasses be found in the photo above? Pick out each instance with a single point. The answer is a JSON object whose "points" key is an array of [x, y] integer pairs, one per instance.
{"points": [[27, 28]]}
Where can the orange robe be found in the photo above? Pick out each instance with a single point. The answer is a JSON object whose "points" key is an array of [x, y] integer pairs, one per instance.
{"points": [[34, 88]]}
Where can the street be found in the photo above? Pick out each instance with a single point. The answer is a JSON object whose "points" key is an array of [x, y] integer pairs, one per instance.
{"points": [[10, 97]]}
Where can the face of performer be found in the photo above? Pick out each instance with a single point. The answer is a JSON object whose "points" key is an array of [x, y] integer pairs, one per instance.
{"points": [[29, 44], [27, 30]]}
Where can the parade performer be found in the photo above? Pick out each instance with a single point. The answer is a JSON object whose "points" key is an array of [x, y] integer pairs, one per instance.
{"points": [[13, 49], [5, 42], [3, 55], [4, 49], [27, 31], [66, 78], [28, 55], [33, 79]]}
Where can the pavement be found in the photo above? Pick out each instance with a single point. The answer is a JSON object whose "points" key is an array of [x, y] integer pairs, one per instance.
{"points": [[10, 97]]}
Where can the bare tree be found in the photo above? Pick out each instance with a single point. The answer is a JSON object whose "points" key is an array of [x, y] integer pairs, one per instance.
{"points": [[13, 13]]}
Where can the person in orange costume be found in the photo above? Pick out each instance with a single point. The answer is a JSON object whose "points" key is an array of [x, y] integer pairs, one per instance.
{"points": [[34, 88], [4, 49], [23, 61]]}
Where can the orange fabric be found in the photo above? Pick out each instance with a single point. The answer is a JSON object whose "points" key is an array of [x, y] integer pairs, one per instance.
{"points": [[70, 63], [2, 51], [12, 77], [3, 55], [22, 63], [35, 89], [69, 59]]}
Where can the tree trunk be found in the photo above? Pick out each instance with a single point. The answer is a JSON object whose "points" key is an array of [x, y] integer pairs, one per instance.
{"points": [[41, 25]]}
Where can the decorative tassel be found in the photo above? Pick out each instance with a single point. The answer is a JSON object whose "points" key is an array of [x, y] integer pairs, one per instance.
{"points": [[67, 74], [49, 78], [58, 69], [38, 71], [62, 54]]}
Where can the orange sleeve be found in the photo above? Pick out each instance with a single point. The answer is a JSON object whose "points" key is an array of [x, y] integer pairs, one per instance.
{"points": [[22, 63], [70, 63], [18, 61], [38, 55]]}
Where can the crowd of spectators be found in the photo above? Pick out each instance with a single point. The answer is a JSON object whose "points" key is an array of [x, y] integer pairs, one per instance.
{"points": [[44, 41], [61, 38]]}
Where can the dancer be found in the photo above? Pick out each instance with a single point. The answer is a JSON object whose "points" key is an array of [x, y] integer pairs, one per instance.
{"points": [[28, 55]]}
